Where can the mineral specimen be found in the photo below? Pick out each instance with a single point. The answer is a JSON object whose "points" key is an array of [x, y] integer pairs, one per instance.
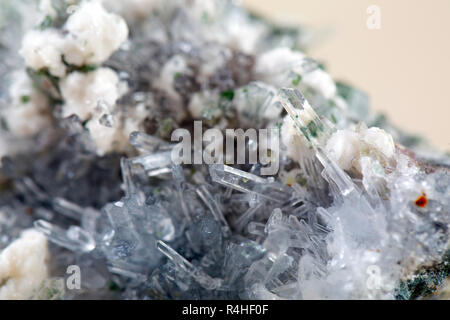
{"points": [[89, 101]]}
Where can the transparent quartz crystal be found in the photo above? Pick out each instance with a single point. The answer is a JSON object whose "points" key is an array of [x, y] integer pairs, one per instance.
{"points": [[148, 143], [317, 132], [246, 182], [142, 227], [154, 164], [74, 238], [185, 266], [213, 206]]}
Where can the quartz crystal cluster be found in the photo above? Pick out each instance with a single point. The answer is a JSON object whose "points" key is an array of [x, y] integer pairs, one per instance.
{"points": [[90, 92]]}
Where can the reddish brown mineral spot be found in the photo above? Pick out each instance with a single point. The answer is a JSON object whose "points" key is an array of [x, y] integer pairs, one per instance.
{"points": [[422, 201]]}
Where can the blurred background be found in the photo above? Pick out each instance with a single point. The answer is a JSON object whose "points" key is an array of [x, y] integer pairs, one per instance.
{"points": [[404, 66]]}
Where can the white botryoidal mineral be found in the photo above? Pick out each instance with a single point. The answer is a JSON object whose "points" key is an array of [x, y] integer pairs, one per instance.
{"points": [[110, 131], [23, 266], [28, 112], [134, 120], [215, 58], [107, 137], [173, 68], [242, 34], [347, 147], [279, 65], [89, 37], [196, 104], [379, 140], [93, 34], [82, 91], [320, 81], [344, 147], [200, 101], [271, 64], [42, 49]]}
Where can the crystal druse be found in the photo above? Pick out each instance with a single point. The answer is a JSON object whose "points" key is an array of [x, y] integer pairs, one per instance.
{"points": [[90, 93]]}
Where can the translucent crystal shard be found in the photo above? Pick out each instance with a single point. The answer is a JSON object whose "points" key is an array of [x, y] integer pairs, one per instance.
{"points": [[213, 206], [148, 143], [246, 217], [67, 208], [124, 237], [127, 177], [335, 175], [74, 238], [127, 270], [256, 228], [255, 103], [314, 129], [249, 183], [239, 257], [317, 132], [180, 186], [154, 164], [234, 178], [185, 266], [28, 185]]}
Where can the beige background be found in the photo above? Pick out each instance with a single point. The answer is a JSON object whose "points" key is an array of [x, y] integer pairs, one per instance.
{"points": [[404, 66]]}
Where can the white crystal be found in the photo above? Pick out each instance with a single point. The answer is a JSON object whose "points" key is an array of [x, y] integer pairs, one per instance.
{"points": [[43, 49], [23, 266], [82, 91], [94, 34]]}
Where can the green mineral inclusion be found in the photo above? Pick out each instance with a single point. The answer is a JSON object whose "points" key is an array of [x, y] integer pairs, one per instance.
{"points": [[227, 95], [312, 129], [297, 80], [25, 99], [46, 23], [425, 282]]}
